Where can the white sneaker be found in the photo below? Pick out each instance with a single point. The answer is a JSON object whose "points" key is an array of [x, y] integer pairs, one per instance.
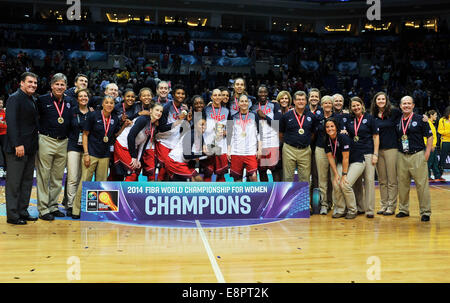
{"points": [[324, 210]]}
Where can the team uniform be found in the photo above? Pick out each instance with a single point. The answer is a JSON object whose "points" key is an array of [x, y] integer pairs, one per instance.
{"points": [[74, 154], [387, 159], [411, 162], [141, 145], [122, 155], [233, 104], [297, 133], [216, 122], [361, 132], [167, 137], [270, 157], [131, 112], [244, 144], [343, 195], [180, 161], [321, 160], [54, 128], [101, 137]]}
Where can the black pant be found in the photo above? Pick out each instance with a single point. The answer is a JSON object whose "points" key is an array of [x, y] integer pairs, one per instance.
{"points": [[2, 153], [19, 182]]}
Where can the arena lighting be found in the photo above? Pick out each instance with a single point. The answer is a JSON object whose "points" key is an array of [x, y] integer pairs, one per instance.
{"points": [[383, 27], [342, 28]]}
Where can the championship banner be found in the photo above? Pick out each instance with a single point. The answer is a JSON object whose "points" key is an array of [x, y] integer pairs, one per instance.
{"points": [[135, 202]]}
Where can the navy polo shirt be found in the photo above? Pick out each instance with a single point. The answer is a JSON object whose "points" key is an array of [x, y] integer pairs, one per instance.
{"points": [[94, 124], [48, 116], [343, 145], [388, 138], [76, 127], [416, 131], [367, 129], [321, 132], [317, 112], [289, 127]]}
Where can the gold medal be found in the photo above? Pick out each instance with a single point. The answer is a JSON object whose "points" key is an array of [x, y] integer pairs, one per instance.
{"points": [[105, 139], [404, 137], [356, 139], [243, 134], [60, 120], [301, 131]]}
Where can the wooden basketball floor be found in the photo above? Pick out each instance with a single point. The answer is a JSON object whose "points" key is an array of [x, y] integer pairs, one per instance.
{"points": [[319, 249]]}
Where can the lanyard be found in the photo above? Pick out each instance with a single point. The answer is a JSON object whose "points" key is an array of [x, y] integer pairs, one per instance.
{"points": [[357, 127], [106, 125], [335, 146], [404, 128]]}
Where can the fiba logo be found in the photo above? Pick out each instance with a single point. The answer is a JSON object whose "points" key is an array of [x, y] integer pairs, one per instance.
{"points": [[92, 195]]}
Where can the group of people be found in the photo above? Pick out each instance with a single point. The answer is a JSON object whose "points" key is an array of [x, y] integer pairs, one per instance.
{"points": [[192, 139]]}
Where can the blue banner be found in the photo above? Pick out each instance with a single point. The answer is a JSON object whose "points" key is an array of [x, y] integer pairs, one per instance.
{"points": [[32, 53], [309, 65], [347, 66], [226, 61], [139, 202], [90, 56]]}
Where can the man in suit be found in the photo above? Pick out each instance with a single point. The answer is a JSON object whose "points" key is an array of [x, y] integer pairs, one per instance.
{"points": [[20, 149]]}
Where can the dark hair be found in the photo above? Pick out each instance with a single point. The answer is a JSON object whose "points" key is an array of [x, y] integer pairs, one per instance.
{"points": [[374, 108], [447, 113], [144, 89], [24, 75], [127, 91], [177, 87], [195, 97], [80, 75], [336, 124], [431, 112]]}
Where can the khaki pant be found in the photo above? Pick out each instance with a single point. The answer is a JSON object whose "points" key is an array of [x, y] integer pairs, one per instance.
{"points": [[323, 168], [74, 163], [413, 166], [343, 195], [387, 179], [365, 191], [99, 166], [51, 162], [296, 158]]}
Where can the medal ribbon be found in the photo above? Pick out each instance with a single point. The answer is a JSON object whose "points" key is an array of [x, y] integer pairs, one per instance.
{"points": [[359, 124], [214, 113], [298, 120], [335, 146], [176, 109], [243, 122], [404, 128], [264, 110], [60, 112], [104, 124]]}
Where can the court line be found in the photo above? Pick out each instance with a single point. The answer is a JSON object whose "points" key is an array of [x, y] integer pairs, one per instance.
{"points": [[435, 186], [212, 259]]}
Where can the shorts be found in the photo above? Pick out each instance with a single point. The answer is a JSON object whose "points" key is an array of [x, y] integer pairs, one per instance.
{"points": [[122, 160], [148, 162], [239, 162], [215, 165], [180, 168]]}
